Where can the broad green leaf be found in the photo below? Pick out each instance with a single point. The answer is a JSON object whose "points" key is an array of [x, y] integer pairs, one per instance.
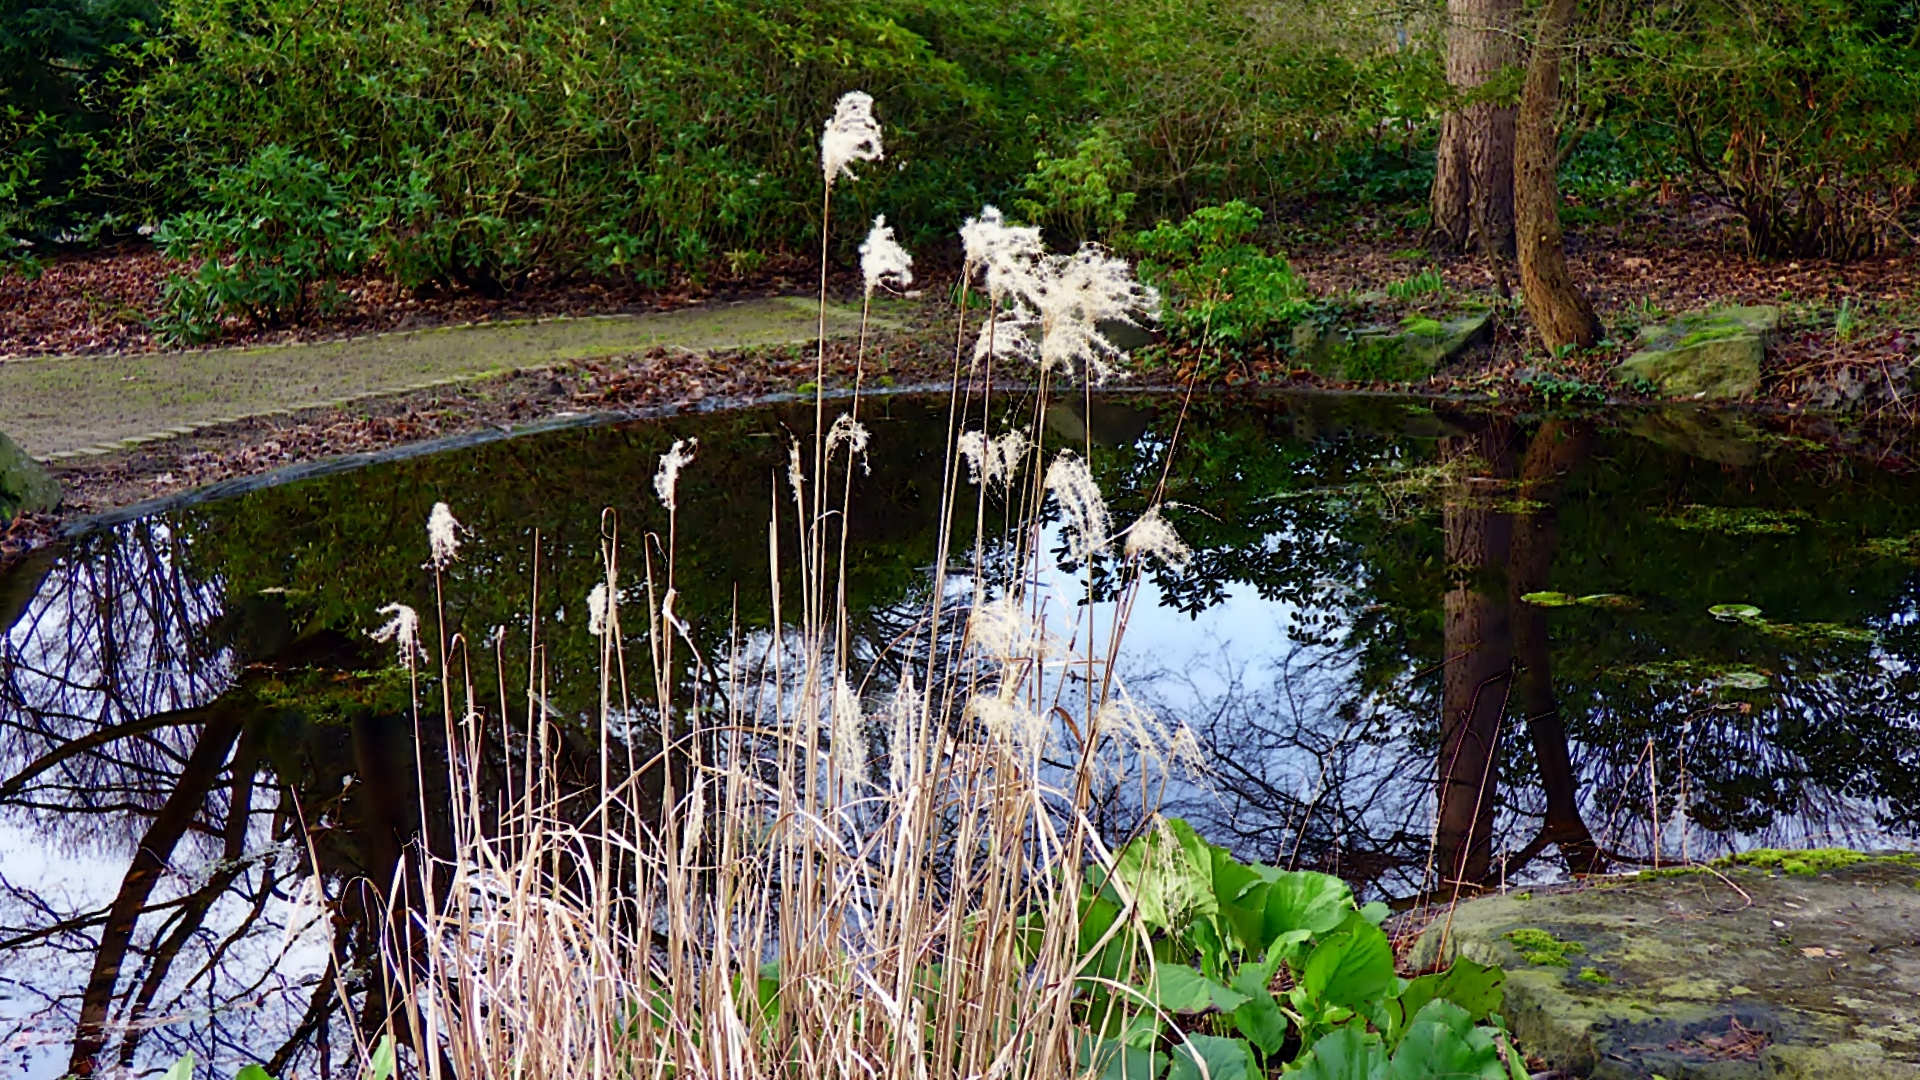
{"points": [[1170, 872], [1442, 1042], [1304, 900], [1224, 1059], [1734, 612], [181, 1069], [1111, 1059], [1346, 1053], [1550, 599], [381, 1067], [1476, 988], [1375, 912], [1350, 968], [1179, 988], [252, 1072], [1259, 1018]]}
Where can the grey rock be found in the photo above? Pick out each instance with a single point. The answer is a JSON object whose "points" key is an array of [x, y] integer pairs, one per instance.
{"points": [[1404, 353], [1705, 355], [25, 487], [1817, 968]]}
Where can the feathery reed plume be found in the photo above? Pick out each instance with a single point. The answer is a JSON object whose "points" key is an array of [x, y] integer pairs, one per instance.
{"points": [[1083, 508], [402, 628], [1153, 536], [882, 260], [1006, 255], [443, 535], [993, 462], [599, 607], [851, 135], [666, 482]]}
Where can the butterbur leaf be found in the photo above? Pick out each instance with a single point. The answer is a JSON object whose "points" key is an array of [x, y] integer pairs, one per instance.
{"points": [[1476, 988], [1304, 900], [1734, 612], [1442, 1042], [181, 1069], [1259, 1018], [1346, 1053], [381, 1067], [1350, 968], [1111, 1059], [1179, 988], [1225, 1059], [1375, 912], [252, 1072], [1170, 873]]}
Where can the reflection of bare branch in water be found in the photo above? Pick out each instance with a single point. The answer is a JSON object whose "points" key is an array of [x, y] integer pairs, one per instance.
{"points": [[153, 919], [1308, 774]]}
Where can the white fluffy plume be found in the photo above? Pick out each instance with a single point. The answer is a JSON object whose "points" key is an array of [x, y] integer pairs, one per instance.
{"points": [[882, 260], [666, 482], [402, 628], [1154, 536], [1084, 509], [993, 461], [443, 535], [852, 135], [1005, 254]]}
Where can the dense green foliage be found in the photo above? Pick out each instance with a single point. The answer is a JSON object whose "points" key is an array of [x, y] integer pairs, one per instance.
{"points": [[1222, 932], [1222, 286], [643, 138]]}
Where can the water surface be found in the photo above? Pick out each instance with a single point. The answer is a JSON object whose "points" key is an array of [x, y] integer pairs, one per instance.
{"points": [[1421, 646]]}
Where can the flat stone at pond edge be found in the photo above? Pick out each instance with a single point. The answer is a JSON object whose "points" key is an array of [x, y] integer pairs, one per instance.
{"points": [[1711, 355], [1818, 976], [1411, 351], [25, 487]]}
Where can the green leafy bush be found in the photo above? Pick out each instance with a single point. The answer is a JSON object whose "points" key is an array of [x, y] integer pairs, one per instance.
{"points": [[1259, 968], [1082, 196], [1221, 286], [276, 231], [1804, 116]]}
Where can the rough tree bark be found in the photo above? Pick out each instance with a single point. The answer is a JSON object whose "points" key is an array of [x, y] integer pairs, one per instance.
{"points": [[1473, 180], [1559, 310]]}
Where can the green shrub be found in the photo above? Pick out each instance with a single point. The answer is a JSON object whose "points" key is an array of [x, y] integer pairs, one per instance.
{"points": [[277, 230], [1220, 286], [1802, 115], [1082, 196]]}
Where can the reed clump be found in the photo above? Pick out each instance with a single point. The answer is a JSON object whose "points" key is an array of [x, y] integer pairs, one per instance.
{"points": [[796, 861]]}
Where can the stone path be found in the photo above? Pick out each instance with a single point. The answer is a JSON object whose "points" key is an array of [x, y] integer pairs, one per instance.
{"points": [[59, 408]]}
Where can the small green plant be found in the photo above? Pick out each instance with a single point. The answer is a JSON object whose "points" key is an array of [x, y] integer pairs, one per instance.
{"points": [[1222, 287], [1594, 975], [1261, 967], [1427, 283], [1735, 520], [1536, 946], [1081, 195], [1846, 321], [276, 232], [1566, 389]]}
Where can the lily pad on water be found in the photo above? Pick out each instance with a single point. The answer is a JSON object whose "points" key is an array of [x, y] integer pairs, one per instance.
{"points": [[1560, 599], [1736, 520], [1707, 676], [1734, 612]]}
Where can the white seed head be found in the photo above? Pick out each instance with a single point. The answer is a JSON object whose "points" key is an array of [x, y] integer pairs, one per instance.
{"points": [[796, 476], [1001, 629], [882, 260], [906, 712], [1075, 295], [1154, 536], [666, 482], [695, 821], [402, 628], [849, 735], [1012, 334], [443, 535], [1083, 509], [599, 609], [1122, 718], [993, 461], [850, 432], [1011, 723], [1006, 254], [852, 135]]}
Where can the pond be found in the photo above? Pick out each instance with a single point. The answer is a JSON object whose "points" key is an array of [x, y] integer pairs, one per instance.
{"points": [[1418, 647]]}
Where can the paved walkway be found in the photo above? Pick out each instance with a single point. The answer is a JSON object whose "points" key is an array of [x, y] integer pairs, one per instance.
{"points": [[64, 407]]}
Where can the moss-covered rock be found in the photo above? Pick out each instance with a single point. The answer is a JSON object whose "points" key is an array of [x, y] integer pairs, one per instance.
{"points": [[1708, 355], [25, 487], [1800, 965], [1411, 351]]}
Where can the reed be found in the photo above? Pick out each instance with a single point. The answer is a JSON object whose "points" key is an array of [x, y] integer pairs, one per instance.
{"points": [[796, 866]]}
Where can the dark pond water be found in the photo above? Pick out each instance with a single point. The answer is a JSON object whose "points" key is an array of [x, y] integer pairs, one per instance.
{"points": [[1605, 640]]}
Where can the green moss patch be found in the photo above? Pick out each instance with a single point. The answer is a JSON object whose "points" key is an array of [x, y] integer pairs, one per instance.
{"points": [[1536, 946]]}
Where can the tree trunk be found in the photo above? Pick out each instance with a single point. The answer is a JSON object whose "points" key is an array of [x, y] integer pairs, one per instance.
{"points": [[1473, 179], [1559, 310]]}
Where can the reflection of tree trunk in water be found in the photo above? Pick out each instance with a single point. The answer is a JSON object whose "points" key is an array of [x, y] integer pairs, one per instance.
{"points": [[149, 862], [385, 801], [1479, 655], [1556, 449], [193, 913]]}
